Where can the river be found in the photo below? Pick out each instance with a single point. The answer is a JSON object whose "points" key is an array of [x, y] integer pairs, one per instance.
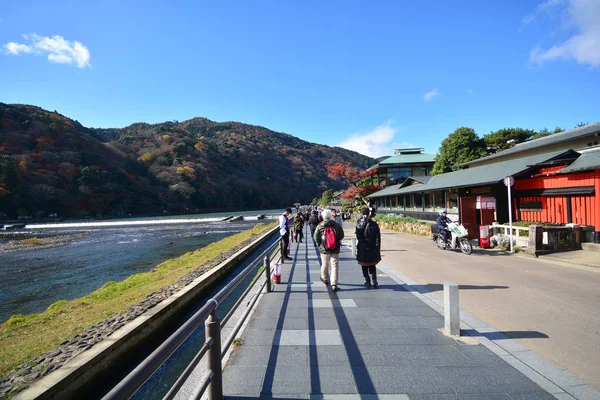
{"points": [[95, 252]]}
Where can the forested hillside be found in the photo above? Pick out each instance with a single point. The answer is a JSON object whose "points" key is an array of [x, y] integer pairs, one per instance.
{"points": [[52, 164]]}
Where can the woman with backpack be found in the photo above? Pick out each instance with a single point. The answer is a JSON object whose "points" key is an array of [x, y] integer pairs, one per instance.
{"points": [[368, 252]]}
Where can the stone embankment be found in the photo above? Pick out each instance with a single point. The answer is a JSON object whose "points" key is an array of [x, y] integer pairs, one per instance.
{"points": [[22, 377], [417, 228]]}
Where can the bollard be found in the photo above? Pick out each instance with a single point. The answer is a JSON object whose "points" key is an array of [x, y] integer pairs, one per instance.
{"points": [[213, 359], [353, 247], [268, 272], [451, 309]]}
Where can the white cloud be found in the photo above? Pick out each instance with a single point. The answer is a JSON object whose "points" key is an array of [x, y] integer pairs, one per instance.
{"points": [[16, 48], [543, 8], [470, 91], [58, 49], [584, 44], [376, 143], [431, 94]]}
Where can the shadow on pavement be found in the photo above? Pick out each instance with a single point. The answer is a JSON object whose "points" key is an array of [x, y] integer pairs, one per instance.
{"points": [[436, 287], [505, 335]]}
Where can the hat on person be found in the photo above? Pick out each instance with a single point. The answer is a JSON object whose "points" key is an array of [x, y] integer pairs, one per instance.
{"points": [[444, 211]]}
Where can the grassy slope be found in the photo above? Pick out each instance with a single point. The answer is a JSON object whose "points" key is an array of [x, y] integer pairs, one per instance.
{"points": [[23, 338]]}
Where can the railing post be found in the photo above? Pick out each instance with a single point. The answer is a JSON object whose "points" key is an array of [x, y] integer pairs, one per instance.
{"points": [[213, 359], [353, 247], [268, 272], [282, 250]]}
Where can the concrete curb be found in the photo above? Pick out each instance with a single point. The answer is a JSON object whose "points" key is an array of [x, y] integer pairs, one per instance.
{"points": [[84, 372], [554, 380]]}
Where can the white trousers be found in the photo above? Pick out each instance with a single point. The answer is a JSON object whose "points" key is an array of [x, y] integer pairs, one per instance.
{"points": [[325, 258]]}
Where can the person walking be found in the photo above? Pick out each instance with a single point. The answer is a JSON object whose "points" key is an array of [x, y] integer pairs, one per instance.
{"points": [[284, 232], [298, 225], [336, 217], [368, 252], [328, 236], [313, 222]]}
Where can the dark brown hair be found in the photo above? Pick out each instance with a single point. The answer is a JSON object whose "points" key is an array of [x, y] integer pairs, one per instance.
{"points": [[364, 211]]}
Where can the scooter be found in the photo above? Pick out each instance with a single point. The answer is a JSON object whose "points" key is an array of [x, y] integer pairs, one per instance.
{"points": [[458, 240]]}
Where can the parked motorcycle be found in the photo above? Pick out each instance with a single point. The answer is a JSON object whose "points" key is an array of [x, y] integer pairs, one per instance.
{"points": [[458, 239]]}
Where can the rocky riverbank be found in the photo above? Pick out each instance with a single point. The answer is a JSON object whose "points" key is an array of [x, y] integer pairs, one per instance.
{"points": [[22, 377], [21, 242]]}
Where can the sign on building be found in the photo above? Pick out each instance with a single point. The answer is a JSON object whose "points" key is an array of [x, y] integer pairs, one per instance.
{"points": [[486, 203]]}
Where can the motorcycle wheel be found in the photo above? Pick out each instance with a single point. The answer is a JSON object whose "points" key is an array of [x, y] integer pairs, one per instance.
{"points": [[439, 242], [465, 246]]}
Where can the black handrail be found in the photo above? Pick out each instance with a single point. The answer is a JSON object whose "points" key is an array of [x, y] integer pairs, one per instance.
{"points": [[207, 314]]}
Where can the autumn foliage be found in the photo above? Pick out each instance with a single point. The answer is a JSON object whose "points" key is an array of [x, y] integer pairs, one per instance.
{"points": [[52, 164], [360, 182]]}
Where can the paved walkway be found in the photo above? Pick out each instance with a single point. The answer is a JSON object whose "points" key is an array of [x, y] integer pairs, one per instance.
{"points": [[305, 341]]}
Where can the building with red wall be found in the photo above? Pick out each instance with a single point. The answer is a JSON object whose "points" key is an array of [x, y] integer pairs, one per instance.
{"points": [[557, 181]]}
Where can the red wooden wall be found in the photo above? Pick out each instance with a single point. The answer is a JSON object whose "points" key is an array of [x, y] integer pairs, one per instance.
{"points": [[557, 181], [554, 208]]}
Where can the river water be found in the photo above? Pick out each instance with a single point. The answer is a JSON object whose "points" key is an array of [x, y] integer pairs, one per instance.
{"points": [[95, 252]]}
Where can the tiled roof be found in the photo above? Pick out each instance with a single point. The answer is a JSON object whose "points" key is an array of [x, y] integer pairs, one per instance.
{"points": [[477, 176], [541, 142], [589, 161], [408, 159]]}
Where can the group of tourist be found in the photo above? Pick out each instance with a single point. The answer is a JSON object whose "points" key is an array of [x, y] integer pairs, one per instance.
{"points": [[327, 232]]}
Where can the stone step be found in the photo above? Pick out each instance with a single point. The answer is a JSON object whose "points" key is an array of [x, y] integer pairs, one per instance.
{"points": [[591, 246]]}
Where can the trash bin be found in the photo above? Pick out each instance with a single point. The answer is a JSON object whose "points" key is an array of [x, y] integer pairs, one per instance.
{"points": [[484, 236]]}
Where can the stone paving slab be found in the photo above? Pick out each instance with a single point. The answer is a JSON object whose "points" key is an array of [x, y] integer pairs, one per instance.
{"points": [[305, 341]]}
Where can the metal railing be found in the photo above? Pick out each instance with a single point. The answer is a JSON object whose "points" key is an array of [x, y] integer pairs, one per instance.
{"points": [[520, 234], [207, 315]]}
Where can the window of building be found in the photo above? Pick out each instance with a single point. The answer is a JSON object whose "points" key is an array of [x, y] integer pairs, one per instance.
{"points": [[439, 200], [427, 200], [453, 201], [419, 171], [417, 200], [398, 174]]}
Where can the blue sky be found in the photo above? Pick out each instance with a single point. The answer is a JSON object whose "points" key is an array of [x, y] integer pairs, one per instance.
{"points": [[370, 76]]}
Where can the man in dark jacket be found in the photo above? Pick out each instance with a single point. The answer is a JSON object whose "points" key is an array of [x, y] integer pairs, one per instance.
{"points": [[298, 226], [442, 224], [329, 255], [313, 222]]}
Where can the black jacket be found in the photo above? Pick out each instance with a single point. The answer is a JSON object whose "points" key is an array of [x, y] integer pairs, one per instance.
{"points": [[369, 241], [442, 222], [314, 221]]}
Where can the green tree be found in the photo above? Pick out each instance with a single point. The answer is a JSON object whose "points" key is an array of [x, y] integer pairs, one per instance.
{"points": [[506, 138], [545, 132], [461, 146], [326, 197], [315, 202]]}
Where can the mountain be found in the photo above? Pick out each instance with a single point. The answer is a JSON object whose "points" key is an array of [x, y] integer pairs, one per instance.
{"points": [[52, 164]]}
